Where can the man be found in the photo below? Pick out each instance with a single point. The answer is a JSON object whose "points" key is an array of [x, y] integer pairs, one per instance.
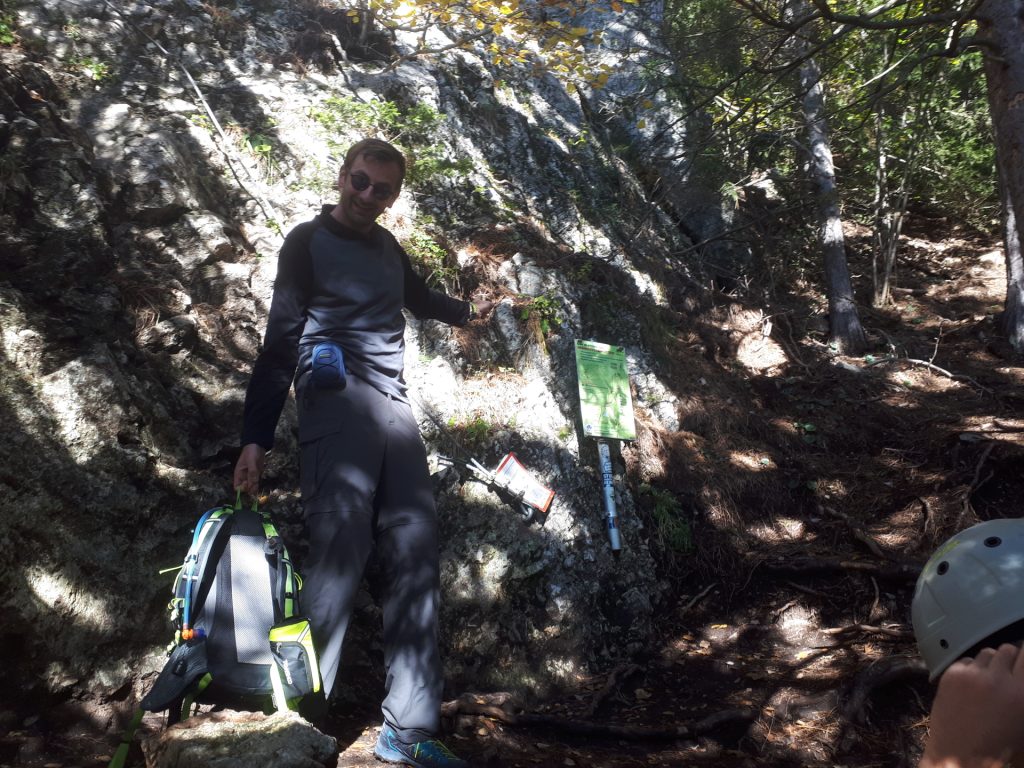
{"points": [[344, 279], [968, 615]]}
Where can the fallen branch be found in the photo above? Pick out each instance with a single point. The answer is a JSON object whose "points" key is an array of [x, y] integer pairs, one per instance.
{"points": [[698, 598], [808, 590], [483, 705], [808, 565], [858, 532], [869, 629], [931, 366], [976, 482], [619, 673]]}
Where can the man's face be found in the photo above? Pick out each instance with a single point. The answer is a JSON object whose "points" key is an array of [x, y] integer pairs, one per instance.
{"points": [[380, 183]]}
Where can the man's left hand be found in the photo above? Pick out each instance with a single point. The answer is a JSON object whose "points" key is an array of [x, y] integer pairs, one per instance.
{"points": [[483, 308]]}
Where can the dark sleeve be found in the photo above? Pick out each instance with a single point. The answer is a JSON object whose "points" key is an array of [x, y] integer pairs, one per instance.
{"points": [[275, 366], [428, 304]]}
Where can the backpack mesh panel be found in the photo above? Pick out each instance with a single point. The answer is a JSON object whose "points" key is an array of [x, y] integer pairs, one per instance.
{"points": [[253, 602]]}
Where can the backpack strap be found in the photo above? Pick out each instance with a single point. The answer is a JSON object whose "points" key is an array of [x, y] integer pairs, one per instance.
{"points": [[121, 755], [207, 532], [190, 698], [287, 579]]}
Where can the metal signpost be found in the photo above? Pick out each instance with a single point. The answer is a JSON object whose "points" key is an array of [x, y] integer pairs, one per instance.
{"points": [[606, 410]]}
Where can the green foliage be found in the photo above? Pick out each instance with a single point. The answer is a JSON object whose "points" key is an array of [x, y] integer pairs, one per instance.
{"points": [[92, 68], [673, 529], [957, 165], [431, 258], [511, 34], [411, 129], [261, 149], [473, 434], [8, 24], [201, 120], [808, 432], [545, 310]]}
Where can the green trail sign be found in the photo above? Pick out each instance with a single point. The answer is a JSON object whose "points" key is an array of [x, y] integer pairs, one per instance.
{"points": [[606, 406]]}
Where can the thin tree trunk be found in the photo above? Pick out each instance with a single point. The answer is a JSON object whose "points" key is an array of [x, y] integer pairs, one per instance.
{"points": [[1013, 314], [880, 263], [999, 26], [846, 333]]}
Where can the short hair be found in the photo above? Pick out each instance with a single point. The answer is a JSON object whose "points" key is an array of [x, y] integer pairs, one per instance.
{"points": [[380, 151]]}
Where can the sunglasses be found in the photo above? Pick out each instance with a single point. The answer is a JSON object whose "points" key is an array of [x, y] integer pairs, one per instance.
{"points": [[360, 182]]}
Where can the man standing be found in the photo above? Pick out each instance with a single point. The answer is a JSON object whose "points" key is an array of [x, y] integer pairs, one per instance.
{"points": [[344, 279]]}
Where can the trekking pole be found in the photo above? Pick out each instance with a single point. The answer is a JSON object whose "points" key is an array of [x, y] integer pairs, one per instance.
{"points": [[492, 482], [612, 515]]}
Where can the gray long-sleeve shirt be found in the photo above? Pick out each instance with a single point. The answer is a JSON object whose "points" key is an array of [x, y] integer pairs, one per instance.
{"points": [[336, 284]]}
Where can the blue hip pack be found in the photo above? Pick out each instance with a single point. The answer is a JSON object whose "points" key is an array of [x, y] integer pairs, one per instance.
{"points": [[328, 366]]}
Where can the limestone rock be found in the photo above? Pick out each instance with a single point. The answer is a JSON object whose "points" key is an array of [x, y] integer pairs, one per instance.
{"points": [[231, 739]]}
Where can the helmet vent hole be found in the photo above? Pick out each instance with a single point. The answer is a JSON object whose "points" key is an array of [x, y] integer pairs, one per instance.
{"points": [[993, 541], [943, 567], [944, 643]]}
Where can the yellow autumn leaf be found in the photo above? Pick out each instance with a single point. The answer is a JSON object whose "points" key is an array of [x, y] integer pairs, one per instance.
{"points": [[578, 31], [647, 104]]}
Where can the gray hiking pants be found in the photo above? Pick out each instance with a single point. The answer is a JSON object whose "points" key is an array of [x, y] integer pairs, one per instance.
{"points": [[367, 486]]}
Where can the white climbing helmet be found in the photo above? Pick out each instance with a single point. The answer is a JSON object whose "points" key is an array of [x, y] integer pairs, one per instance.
{"points": [[972, 587]]}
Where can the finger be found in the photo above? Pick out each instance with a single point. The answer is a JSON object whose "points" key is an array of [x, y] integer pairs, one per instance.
{"points": [[1004, 657], [984, 657], [1018, 664]]}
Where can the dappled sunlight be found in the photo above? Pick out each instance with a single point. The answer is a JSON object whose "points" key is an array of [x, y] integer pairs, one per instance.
{"points": [[65, 597], [752, 463], [759, 352], [83, 398], [480, 580], [782, 529]]}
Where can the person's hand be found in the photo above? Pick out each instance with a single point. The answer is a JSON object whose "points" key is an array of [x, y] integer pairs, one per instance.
{"points": [[249, 468], [977, 713], [483, 308]]}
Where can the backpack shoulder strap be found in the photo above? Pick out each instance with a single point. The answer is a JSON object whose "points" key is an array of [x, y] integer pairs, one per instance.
{"points": [[208, 530], [286, 597]]}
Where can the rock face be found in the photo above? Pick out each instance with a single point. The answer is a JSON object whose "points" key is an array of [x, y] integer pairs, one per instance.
{"points": [[241, 740], [137, 250]]}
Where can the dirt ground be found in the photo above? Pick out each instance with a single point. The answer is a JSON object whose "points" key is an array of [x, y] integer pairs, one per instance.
{"points": [[795, 649]]}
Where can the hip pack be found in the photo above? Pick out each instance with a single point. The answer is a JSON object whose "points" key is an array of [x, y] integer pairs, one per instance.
{"points": [[328, 371]]}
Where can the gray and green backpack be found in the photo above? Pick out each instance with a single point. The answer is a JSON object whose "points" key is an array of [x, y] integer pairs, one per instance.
{"points": [[238, 636]]}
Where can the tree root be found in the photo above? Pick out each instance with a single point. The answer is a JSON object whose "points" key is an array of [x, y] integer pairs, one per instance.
{"points": [[808, 565], [497, 706], [885, 671]]}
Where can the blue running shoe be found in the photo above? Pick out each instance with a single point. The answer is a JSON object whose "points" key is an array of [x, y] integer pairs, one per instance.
{"points": [[423, 754]]}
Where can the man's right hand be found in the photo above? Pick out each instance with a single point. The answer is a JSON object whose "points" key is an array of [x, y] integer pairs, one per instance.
{"points": [[977, 713], [249, 468]]}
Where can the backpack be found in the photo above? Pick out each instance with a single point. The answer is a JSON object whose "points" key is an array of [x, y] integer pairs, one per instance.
{"points": [[238, 636]]}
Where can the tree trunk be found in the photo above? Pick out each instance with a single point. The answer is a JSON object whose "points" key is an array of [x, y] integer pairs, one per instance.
{"points": [[846, 333], [881, 264], [1013, 314], [1000, 28]]}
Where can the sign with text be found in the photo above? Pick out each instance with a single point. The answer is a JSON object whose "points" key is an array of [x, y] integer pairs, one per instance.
{"points": [[606, 406]]}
